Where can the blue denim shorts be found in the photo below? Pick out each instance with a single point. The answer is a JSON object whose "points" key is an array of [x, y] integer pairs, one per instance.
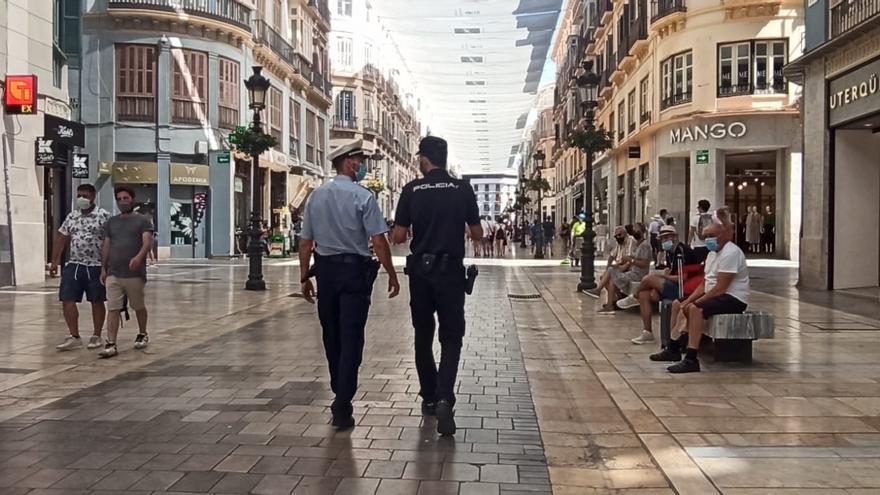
{"points": [[77, 280]]}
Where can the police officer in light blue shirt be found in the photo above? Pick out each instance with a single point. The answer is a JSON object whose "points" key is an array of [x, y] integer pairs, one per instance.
{"points": [[340, 220]]}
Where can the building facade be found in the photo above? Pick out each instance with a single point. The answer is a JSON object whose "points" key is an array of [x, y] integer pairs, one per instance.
{"points": [[161, 88], [541, 137], [681, 132], [840, 70], [496, 193], [36, 39], [374, 99]]}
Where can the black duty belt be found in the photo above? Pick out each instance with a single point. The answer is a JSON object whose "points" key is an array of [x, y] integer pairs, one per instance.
{"points": [[348, 259]]}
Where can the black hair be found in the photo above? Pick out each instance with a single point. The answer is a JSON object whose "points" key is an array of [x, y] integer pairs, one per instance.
{"points": [[663, 211], [126, 189], [703, 205], [88, 188]]}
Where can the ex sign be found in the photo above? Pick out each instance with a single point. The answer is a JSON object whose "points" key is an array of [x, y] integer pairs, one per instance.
{"points": [[21, 94]]}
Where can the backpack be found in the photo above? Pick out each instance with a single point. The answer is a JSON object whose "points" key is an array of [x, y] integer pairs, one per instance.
{"points": [[704, 221]]}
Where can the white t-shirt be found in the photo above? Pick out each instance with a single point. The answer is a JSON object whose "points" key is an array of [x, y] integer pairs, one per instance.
{"points": [[729, 260], [695, 223]]}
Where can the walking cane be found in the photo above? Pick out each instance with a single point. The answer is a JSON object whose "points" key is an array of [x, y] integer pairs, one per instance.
{"points": [[679, 265]]}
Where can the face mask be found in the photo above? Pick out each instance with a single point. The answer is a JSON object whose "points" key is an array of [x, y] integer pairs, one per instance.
{"points": [[125, 206], [83, 203], [668, 245], [712, 243], [361, 173]]}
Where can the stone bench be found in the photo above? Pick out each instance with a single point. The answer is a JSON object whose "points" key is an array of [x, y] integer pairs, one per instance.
{"points": [[733, 334]]}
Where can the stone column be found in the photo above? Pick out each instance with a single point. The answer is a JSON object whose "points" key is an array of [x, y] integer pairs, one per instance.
{"points": [[163, 131], [707, 181], [213, 90]]}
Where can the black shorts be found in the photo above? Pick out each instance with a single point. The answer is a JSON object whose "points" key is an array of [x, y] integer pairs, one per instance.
{"points": [[701, 253], [77, 280], [725, 304]]}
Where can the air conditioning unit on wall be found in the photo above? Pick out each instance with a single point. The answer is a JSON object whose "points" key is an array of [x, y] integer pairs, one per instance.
{"points": [[201, 148]]}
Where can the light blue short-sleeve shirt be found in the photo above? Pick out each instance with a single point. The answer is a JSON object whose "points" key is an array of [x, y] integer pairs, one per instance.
{"points": [[341, 216]]}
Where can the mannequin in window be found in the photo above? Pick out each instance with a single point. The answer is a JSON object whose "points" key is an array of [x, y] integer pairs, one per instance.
{"points": [[768, 232], [753, 229]]}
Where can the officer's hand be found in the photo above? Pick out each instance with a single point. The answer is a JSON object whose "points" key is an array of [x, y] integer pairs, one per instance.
{"points": [[53, 270], [393, 287], [308, 291]]}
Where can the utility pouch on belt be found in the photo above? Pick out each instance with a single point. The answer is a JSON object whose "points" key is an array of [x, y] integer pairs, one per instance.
{"points": [[471, 278], [426, 264]]}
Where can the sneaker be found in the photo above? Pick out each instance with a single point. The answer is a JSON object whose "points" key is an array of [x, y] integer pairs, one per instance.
{"points": [[685, 366], [666, 355], [109, 351], [607, 310], [429, 408], [445, 418], [70, 343], [594, 293], [95, 342], [628, 302], [141, 341], [645, 338]]}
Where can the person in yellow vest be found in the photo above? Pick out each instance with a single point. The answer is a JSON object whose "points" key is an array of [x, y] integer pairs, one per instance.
{"points": [[578, 226]]}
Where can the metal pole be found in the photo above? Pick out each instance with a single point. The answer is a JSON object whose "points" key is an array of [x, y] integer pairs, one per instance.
{"points": [[539, 246], [588, 271], [255, 248]]}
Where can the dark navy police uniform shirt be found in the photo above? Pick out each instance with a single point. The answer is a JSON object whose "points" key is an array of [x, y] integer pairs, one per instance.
{"points": [[438, 207]]}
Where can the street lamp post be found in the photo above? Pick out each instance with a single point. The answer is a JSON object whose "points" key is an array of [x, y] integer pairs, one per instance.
{"points": [[588, 84], [257, 86], [539, 165]]}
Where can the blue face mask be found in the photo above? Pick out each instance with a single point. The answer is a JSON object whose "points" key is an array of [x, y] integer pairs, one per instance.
{"points": [[361, 173], [712, 243], [668, 245]]}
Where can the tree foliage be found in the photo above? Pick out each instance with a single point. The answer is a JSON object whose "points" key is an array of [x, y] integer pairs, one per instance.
{"points": [[252, 142], [591, 140]]}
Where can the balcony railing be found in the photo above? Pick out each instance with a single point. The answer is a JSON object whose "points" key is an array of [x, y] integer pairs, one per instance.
{"points": [[304, 66], [265, 35], [602, 7], [638, 28], [850, 13], [231, 11], [323, 8], [370, 73], [778, 86], [371, 126], [663, 8], [187, 111], [350, 124], [136, 108], [645, 117], [631, 126], [676, 99]]}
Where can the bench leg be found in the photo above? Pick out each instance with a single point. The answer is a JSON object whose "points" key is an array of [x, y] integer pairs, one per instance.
{"points": [[733, 350]]}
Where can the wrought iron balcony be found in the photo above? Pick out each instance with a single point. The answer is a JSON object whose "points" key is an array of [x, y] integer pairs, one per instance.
{"points": [[265, 35], [663, 8], [777, 86], [323, 8], [676, 99], [645, 117], [349, 124], [231, 11], [849, 14]]}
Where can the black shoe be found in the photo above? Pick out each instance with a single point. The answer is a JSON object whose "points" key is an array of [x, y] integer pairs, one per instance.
{"points": [[445, 418], [342, 416], [666, 355], [429, 408], [685, 366]]}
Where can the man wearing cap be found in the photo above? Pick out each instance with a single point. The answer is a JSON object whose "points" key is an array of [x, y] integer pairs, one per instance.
{"points": [[662, 286], [340, 219], [436, 207]]}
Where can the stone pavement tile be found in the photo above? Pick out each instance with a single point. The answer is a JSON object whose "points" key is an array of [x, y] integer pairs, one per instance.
{"points": [[237, 483], [347, 468], [200, 462], [157, 481], [165, 462], [273, 465], [44, 478], [129, 461], [24, 459], [422, 471], [498, 474], [438, 488], [357, 486], [368, 454], [310, 467], [276, 484], [196, 482], [385, 469], [209, 448], [119, 480], [260, 450], [316, 485], [479, 489], [460, 472], [398, 487], [237, 463], [80, 479]]}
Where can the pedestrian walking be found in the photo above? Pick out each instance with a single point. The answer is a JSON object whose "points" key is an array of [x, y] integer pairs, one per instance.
{"points": [[128, 238], [82, 232], [436, 207], [549, 235], [578, 226], [341, 219]]}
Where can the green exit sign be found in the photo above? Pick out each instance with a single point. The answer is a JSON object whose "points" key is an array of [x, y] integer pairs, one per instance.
{"points": [[223, 158], [702, 157]]}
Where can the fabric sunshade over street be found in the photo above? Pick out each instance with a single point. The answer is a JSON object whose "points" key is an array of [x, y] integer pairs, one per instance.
{"points": [[478, 64]]}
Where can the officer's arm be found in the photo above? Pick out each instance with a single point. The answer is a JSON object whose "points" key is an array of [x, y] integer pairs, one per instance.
{"points": [[305, 257], [476, 231], [399, 234]]}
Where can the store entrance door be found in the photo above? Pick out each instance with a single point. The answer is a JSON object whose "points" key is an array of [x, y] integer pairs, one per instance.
{"points": [[56, 203], [188, 218], [750, 192]]}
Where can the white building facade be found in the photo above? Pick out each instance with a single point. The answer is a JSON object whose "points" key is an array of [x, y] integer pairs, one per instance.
{"points": [[496, 193]]}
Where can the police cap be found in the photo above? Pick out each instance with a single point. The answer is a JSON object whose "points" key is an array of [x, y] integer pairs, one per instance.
{"points": [[434, 149], [354, 148]]}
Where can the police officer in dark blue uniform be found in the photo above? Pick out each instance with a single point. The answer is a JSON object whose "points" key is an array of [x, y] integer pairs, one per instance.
{"points": [[437, 208], [341, 219]]}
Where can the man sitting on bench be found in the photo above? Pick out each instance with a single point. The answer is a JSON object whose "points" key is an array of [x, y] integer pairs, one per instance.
{"points": [[664, 286], [725, 290]]}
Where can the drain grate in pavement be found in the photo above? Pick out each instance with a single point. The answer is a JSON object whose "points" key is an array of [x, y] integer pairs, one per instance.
{"points": [[524, 297]]}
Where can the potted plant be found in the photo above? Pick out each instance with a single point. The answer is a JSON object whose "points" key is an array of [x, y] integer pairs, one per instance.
{"points": [[251, 142]]}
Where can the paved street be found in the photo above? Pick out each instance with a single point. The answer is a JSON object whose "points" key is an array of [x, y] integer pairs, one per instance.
{"points": [[232, 397]]}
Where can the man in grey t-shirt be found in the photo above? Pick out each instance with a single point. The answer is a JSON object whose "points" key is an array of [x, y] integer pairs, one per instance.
{"points": [[128, 238]]}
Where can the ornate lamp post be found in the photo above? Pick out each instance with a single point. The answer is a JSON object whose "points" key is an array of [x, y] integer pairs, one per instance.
{"points": [[588, 85], [539, 158], [257, 86]]}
